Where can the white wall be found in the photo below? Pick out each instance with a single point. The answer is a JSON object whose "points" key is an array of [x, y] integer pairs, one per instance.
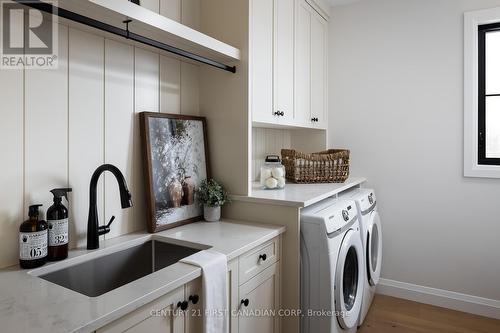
{"points": [[396, 78], [58, 126]]}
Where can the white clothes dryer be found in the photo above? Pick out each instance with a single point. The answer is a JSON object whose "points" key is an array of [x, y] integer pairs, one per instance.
{"points": [[332, 273]]}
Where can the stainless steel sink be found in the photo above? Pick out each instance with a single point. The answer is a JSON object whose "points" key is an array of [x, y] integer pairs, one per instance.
{"points": [[102, 274]]}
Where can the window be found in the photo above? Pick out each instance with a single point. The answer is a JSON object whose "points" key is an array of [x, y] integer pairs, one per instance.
{"points": [[489, 94], [482, 93]]}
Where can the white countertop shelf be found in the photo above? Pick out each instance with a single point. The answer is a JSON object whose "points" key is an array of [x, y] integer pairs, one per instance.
{"points": [[152, 25], [298, 195], [31, 304]]}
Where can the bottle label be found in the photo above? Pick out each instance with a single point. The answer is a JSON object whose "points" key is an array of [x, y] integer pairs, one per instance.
{"points": [[58, 232], [32, 245]]}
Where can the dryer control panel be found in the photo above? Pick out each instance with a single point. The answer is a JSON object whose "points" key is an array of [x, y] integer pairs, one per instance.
{"points": [[367, 201]]}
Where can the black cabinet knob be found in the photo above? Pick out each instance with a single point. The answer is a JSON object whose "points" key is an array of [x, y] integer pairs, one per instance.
{"points": [[183, 305], [277, 113], [263, 257], [194, 298], [314, 119], [245, 302]]}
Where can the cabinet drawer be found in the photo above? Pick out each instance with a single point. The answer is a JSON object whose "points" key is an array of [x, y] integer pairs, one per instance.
{"points": [[258, 259]]}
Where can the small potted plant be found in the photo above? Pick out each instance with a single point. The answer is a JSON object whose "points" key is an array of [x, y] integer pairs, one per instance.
{"points": [[212, 195]]}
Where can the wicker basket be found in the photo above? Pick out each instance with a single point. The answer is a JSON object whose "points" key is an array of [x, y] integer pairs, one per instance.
{"points": [[331, 166]]}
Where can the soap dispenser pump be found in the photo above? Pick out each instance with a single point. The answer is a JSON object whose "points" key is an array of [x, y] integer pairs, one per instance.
{"points": [[33, 240], [57, 219]]}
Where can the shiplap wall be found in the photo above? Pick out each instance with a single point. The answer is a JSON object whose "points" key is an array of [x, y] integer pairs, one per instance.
{"points": [[58, 126]]}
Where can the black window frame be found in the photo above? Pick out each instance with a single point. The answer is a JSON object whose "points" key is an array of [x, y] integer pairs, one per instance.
{"points": [[482, 96]]}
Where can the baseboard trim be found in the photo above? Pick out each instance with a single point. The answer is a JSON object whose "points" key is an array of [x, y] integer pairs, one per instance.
{"points": [[443, 298]]}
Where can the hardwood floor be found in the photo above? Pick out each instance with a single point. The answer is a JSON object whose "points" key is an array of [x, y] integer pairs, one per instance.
{"points": [[394, 315]]}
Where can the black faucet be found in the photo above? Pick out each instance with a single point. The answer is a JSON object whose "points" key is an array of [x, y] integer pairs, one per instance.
{"points": [[93, 228]]}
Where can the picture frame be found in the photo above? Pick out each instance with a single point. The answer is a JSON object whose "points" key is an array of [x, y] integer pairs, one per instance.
{"points": [[175, 161]]}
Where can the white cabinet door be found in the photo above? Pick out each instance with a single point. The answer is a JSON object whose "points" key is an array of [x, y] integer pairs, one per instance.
{"points": [[319, 70], [311, 75], [303, 64], [194, 313], [260, 294], [261, 60], [157, 316], [283, 59], [232, 285]]}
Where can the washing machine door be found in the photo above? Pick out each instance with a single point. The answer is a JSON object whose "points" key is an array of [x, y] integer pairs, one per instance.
{"points": [[373, 248], [349, 280]]}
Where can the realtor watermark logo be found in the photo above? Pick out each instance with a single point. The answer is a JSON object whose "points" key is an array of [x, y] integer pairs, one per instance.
{"points": [[29, 37]]}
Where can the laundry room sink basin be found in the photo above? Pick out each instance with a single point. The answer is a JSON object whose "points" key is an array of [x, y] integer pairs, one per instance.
{"points": [[105, 273]]}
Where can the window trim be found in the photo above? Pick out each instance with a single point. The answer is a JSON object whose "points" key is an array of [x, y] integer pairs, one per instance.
{"points": [[472, 21], [482, 31]]}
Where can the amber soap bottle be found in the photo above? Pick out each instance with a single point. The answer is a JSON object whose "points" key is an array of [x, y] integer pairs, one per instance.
{"points": [[33, 240], [57, 219]]}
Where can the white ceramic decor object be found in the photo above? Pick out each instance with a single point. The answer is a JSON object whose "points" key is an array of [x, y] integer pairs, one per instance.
{"points": [[211, 214]]}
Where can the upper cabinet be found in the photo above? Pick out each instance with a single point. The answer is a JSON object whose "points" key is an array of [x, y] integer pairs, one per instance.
{"points": [[271, 60], [288, 64], [283, 60], [261, 60], [311, 67]]}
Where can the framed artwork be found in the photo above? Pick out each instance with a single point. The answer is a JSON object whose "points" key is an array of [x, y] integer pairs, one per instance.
{"points": [[175, 154]]}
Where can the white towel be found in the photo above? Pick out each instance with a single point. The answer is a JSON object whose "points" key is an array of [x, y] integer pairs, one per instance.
{"points": [[214, 283]]}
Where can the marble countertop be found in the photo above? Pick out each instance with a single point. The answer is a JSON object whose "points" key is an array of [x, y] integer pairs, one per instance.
{"points": [[298, 195], [31, 304]]}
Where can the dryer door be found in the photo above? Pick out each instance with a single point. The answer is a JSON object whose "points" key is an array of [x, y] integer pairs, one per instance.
{"points": [[349, 280], [373, 248]]}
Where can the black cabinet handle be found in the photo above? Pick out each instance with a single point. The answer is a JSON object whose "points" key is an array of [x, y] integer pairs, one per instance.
{"points": [[282, 113], [314, 119], [183, 305], [277, 113], [263, 257], [245, 302], [194, 298]]}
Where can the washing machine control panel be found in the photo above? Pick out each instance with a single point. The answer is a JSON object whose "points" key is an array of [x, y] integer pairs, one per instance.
{"points": [[338, 217], [345, 215]]}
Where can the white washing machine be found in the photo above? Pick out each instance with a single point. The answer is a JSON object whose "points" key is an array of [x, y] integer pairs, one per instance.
{"points": [[371, 233], [332, 274]]}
